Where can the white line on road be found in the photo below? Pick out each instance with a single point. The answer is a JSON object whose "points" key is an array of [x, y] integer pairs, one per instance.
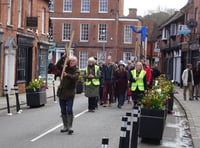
{"points": [[54, 128]]}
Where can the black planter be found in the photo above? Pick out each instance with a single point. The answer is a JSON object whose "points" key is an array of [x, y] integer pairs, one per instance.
{"points": [[170, 103], [151, 124], [79, 87], [36, 98]]}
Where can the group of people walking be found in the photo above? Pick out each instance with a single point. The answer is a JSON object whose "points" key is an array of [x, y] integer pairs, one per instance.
{"points": [[110, 82], [105, 83]]}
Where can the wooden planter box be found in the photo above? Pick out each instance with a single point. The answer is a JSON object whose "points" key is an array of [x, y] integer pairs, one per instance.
{"points": [[36, 98], [151, 124]]}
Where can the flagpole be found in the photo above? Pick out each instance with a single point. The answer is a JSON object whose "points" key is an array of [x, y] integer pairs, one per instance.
{"points": [[145, 48]]}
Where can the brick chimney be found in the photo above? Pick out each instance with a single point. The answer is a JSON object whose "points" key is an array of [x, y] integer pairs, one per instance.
{"points": [[132, 12]]}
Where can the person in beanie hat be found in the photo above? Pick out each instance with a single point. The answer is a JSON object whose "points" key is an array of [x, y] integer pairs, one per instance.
{"points": [[121, 83]]}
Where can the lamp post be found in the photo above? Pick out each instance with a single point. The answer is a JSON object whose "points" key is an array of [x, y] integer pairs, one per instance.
{"points": [[191, 24], [104, 44]]}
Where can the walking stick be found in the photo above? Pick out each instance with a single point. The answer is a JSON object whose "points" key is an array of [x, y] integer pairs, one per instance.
{"points": [[67, 48]]}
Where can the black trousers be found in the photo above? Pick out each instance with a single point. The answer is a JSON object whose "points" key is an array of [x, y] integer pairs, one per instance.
{"points": [[92, 103]]}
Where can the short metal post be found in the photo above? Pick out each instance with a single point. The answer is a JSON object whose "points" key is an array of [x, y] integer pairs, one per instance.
{"points": [[105, 142], [135, 126], [123, 132], [17, 99], [54, 93], [128, 129], [7, 99]]}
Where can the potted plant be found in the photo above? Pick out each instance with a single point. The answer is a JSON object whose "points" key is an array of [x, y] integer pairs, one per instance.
{"points": [[36, 93], [153, 115], [166, 87]]}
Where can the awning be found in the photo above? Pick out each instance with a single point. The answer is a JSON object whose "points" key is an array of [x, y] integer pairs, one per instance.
{"points": [[52, 46]]}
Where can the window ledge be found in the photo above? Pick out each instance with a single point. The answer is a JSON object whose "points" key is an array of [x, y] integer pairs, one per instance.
{"points": [[20, 28], [10, 26]]}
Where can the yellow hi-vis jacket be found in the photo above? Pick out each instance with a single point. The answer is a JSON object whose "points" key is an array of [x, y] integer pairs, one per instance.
{"points": [[139, 82], [94, 81]]}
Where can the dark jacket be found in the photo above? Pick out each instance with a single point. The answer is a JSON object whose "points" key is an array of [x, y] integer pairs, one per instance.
{"points": [[196, 76], [155, 73], [121, 81], [66, 89], [108, 72]]}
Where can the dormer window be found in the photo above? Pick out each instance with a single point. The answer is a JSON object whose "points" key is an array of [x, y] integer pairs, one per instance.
{"points": [[164, 34], [173, 31]]}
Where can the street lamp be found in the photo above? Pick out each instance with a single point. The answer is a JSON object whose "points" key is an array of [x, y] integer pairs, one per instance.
{"points": [[103, 35], [191, 24]]}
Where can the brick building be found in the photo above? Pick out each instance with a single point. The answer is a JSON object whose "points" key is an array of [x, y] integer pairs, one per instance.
{"points": [[23, 42], [100, 28], [180, 41]]}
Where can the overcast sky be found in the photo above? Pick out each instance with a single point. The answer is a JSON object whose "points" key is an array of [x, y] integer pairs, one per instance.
{"points": [[144, 5]]}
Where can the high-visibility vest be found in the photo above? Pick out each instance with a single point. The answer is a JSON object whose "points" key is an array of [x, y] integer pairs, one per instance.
{"points": [[94, 81], [139, 83]]}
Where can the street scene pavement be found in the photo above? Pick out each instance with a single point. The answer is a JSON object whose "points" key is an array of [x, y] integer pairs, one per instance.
{"points": [[100, 118]]}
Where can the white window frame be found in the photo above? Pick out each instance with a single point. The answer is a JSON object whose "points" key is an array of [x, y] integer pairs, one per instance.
{"points": [[83, 58], [51, 28], [67, 5], [102, 33], [196, 11], [84, 34], [19, 14], [103, 6], [9, 17], [101, 56], [85, 6], [127, 34], [173, 29], [165, 34], [127, 56], [43, 21], [29, 7], [66, 32], [51, 6]]}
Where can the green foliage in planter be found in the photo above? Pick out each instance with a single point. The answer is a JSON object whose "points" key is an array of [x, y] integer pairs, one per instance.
{"points": [[37, 84]]}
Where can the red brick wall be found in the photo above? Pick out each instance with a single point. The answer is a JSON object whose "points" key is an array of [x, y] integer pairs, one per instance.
{"points": [[115, 35], [13, 30]]}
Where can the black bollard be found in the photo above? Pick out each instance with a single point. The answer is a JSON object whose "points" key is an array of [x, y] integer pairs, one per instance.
{"points": [[105, 142], [54, 93], [18, 109], [135, 126], [123, 132], [128, 129], [7, 99], [17, 98]]}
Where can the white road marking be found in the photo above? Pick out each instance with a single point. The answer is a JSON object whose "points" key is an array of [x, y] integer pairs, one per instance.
{"points": [[54, 128]]}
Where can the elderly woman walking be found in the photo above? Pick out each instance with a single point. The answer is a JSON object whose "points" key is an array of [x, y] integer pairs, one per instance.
{"points": [[66, 91], [92, 83], [138, 82]]}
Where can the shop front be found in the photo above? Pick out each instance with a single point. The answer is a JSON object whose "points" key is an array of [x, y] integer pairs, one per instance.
{"points": [[24, 60]]}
